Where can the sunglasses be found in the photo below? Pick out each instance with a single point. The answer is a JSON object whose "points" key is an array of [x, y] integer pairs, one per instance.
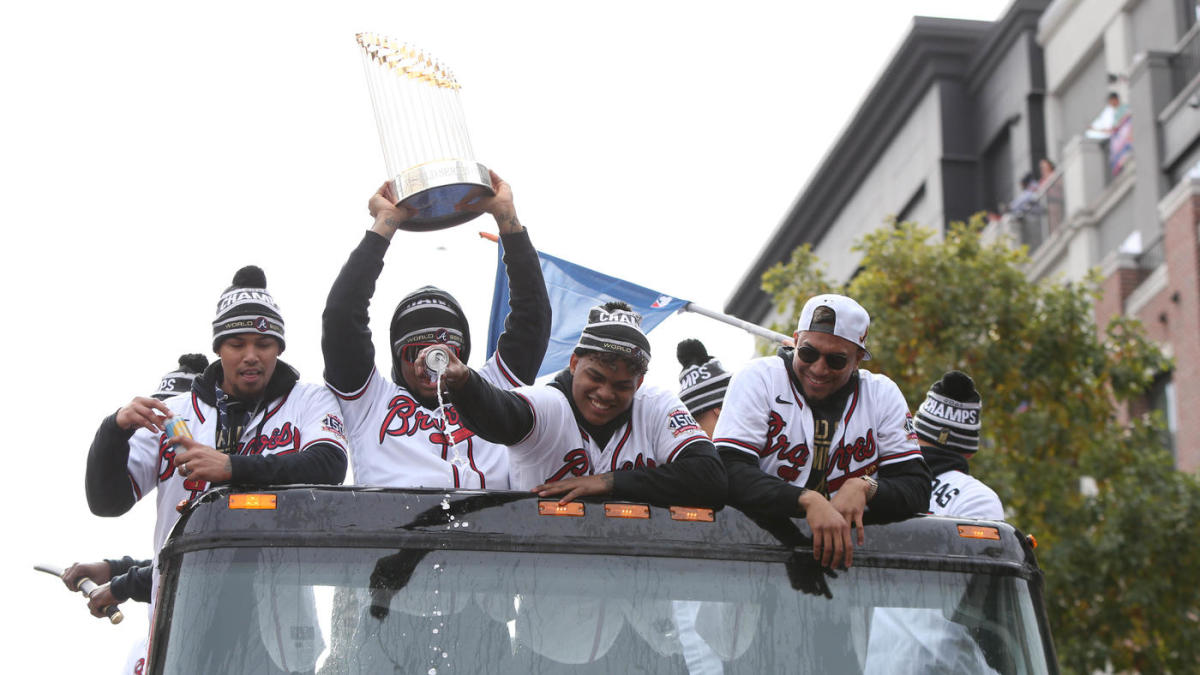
{"points": [[809, 354], [409, 352]]}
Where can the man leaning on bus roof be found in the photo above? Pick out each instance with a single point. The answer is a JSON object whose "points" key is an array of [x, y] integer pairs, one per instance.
{"points": [[806, 433]]}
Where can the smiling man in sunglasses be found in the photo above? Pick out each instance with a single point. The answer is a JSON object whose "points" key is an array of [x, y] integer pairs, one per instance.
{"points": [[397, 436], [806, 433]]}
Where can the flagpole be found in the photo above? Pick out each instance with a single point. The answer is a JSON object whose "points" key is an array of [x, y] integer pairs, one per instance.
{"points": [[753, 329]]}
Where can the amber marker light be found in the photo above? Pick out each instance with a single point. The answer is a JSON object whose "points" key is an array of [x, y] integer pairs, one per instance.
{"points": [[251, 501], [978, 532], [692, 513], [627, 510], [551, 508]]}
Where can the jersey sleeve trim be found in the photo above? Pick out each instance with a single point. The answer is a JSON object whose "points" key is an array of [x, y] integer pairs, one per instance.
{"points": [[684, 444], [533, 411], [902, 457], [137, 491], [506, 373], [735, 444], [323, 439], [354, 395]]}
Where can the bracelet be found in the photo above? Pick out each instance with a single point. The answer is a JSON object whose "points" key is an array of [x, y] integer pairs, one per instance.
{"points": [[872, 486]]}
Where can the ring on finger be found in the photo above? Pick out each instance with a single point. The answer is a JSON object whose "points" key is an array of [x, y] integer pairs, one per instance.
{"points": [[183, 470]]}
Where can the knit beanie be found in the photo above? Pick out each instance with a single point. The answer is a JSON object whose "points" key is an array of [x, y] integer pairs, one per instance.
{"points": [[614, 327], [950, 415], [702, 382], [179, 381], [430, 316], [247, 307]]}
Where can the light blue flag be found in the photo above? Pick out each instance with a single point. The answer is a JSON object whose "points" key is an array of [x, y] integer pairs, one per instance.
{"points": [[573, 291]]}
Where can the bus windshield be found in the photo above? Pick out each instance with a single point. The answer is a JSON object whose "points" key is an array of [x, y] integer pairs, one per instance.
{"points": [[360, 610]]}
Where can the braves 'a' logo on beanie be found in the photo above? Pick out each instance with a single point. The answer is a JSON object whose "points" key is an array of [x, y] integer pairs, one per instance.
{"points": [[262, 324]]}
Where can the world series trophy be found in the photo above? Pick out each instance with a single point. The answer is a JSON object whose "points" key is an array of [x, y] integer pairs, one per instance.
{"points": [[423, 133]]}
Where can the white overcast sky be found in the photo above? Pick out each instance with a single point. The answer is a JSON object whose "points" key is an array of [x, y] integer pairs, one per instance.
{"points": [[151, 149]]}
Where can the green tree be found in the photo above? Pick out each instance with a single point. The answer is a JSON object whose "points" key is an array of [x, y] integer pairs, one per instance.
{"points": [[1122, 566]]}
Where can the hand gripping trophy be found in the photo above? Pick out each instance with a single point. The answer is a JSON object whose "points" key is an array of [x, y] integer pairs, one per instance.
{"points": [[423, 134]]}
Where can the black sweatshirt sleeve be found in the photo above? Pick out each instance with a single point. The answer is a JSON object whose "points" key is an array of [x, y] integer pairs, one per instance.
{"points": [[133, 584], [106, 481], [126, 563], [345, 333], [526, 333], [695, 477], [753, 491], [904, 489], [494, 414], [318, 464]]}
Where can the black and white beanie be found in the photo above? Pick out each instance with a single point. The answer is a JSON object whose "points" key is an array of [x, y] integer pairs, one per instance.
{"points": [[430, 316], [247, 307], [614, 327], [950, 415], [702, 382], [179, 381]]}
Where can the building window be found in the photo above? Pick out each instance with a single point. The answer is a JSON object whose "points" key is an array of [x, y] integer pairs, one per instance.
{"points": [[998, 177], [1162, 397]]}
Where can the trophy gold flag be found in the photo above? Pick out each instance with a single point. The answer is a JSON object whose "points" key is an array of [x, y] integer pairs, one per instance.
{"points": [[423, 133]]}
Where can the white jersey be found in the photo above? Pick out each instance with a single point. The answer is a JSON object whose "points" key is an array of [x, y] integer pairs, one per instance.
{"points": [[765, 415], [557, 447], [306, 415], [397, 442], [962, 495]]}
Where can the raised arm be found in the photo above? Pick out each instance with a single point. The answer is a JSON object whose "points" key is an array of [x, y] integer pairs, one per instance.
{"points": [[345, 332], [110, 488], [522, 345]]}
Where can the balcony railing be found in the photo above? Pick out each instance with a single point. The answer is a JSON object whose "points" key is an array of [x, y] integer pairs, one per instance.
{"points": [[1152, 256], [1043, 215], [1186, 62]]}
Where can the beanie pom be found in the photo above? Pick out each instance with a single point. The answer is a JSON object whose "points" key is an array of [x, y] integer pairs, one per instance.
{"points": [[250, 276], [193, 363], [958, 386], [691, 352]]}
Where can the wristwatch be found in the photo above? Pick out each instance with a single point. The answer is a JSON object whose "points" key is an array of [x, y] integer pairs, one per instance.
{"points": [[872, 486]]}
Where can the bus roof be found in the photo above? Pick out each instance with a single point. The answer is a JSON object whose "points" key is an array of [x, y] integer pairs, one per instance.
{"points": [[352, 516]]}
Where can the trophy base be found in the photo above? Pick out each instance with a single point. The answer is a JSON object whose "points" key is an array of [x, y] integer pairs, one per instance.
{"points": [[438, 190]]}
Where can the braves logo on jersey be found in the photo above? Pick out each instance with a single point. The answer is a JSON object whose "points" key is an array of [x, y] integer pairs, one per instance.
{"points": [[284, 439], [640, 462], [575, 463], [793, 457], [405, 417]]}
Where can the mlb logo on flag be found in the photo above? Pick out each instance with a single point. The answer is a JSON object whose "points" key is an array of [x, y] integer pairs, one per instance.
{"points": [[662, 301]]}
